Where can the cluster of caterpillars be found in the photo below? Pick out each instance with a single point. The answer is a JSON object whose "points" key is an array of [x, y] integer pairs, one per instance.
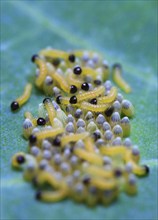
{"points": [[79, 145]]}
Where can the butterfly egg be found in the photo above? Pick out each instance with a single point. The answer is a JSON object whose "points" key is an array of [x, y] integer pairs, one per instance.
{"points": [[106, 126], [35, 151], [57, 123], [127, 142], [56, 91], [107, 85], [108, 136], [70, 118], [107, 160], [100, 142], [48, 85], [67, 153], [80, 130], [127, 108], [70, 109], [100, 119], [74, 161], [96, 135], [79, 192], [130, 187], [65, 168], [95, 58], [88, 79], [128, 167], [46, 145], [117, 131], [117, 106], [80, 123], [30, 170], [119, 97], [117, 141], [89, 116], [27, 128], [76, 174], [70, 128], [115, 119], [91, 127], [78, 113], [69, 180], [90, 64], [35, 130], [79, 144], [85, 56], [57, 159], [47, 154], [43, 164], [135, 153], [126, 127]]}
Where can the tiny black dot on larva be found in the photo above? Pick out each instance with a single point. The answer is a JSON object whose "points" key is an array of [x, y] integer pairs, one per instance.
{"points": [[38, 195], [73, 89], [73, 100], [32, 139], [46, 100], [93, 101], [20, 159], [41, 121], [14, 106], [77, 70], [34, 57], [147, 170], [85, 86], [58, 98], [109, 111], [117, 65], [72, 58]]}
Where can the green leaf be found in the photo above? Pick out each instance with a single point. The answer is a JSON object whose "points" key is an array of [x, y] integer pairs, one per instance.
{"points": [[123, 31]]}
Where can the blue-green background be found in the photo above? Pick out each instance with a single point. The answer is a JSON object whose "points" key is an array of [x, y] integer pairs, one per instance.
{"points": [[123, 31]]}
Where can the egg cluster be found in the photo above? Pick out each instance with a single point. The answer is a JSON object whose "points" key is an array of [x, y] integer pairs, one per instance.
{"points": [[79, 145]]}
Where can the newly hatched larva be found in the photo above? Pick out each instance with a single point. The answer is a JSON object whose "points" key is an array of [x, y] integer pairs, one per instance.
{"points": [[45, 134], [31, 118], [52, 53], [88, 156], [72, 79], [94, 108], [61, 81], [117, 71], [50, 109], [109, 98], [42, 70], [90, 94], [127, 108], [15, 105], [73, 138]]}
